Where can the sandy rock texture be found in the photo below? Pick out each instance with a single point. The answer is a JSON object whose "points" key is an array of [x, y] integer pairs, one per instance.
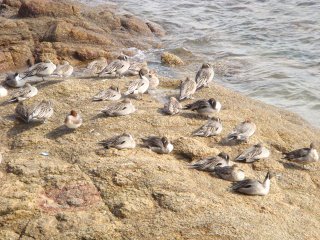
{"points": [[34, 30], [82, 191]]}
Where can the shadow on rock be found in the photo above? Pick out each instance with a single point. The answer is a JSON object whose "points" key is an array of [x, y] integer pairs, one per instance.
{"points": [[21, 127], [59, 132]]}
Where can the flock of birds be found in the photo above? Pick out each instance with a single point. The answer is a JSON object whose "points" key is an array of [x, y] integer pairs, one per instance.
{"points": [[219, 165]]}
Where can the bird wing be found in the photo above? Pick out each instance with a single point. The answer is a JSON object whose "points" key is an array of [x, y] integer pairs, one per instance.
{"points": [[22, 112], [34, 70], [299, 153], [202, 77], [105, 94], [113, 67], [243, 184], [153, 142], [115, 107], [134, 85], [249, 154]]}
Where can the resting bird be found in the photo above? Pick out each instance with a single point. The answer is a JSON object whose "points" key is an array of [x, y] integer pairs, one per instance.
{"points": [[111, 94], [230, 173], [42, 69], [73, 120], [96, 66], [15, 80], [139, 86], [39, 112], [304, 155], [122, 141], [253, 187], [153, 79], [187, 88], [204, 76], [119, 108], [135, 68], [24, 93], [3, 91], [159, 145], [204, 107], [212, 128], [243, 131], [117, 67], [254, 153], [210, 163], [172, 107], [64, 70]]}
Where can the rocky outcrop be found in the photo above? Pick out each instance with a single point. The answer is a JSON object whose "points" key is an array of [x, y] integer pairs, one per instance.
{"points": [[79, 190], [34, 30], [171, 59]]}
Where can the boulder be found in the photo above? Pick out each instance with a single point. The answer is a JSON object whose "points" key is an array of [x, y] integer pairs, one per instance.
{"points": [[171, 59], [12, 3], [135, 25], [156, 29], [53, 8]]}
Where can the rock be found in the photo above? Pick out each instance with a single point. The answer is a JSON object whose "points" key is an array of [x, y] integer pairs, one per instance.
{"points": [[12, 3], [171, 59], [135, 25], [53, 8], [156, 29]]}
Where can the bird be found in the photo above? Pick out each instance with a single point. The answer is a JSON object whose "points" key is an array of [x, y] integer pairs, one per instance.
{"points": [[111, 94], [22, 112], [210, 163], [64, 70], [252, 186], [187, 88], [212, 128], [242, 131], [135, 68], [160, 145], [204, 76], [303, 156], [230, 173], [117, 67], [122, 141], [153, 79], [204, 107], [139, 86], [15, 80], [254, 153], [97, 65], [3, 91], [122, 108], [73, 120], [24, 93], [172, 107], [42, 69], [41, 112]]}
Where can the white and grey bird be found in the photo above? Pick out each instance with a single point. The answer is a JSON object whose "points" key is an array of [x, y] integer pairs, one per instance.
{"points": [[230, 173], [96, 66], [117, 67], [172, 107], [304, 155], [139, 86], [252, 186], [123, 141], [122, 108], [254, 153], [243, 131], [42, 69], [159, 145], [135, 68], [204, 75], [210, 163], [64, 70], [111, 94], [205, 107], [3, 91], [187, 88], [39, 112], [212, 128], [153, 79], [15, 80], [24, 93], [73, 120]]}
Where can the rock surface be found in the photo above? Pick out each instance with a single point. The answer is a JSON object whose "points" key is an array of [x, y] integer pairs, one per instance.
{"points": [[81, 191], [33, 30], [171, 59]]}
